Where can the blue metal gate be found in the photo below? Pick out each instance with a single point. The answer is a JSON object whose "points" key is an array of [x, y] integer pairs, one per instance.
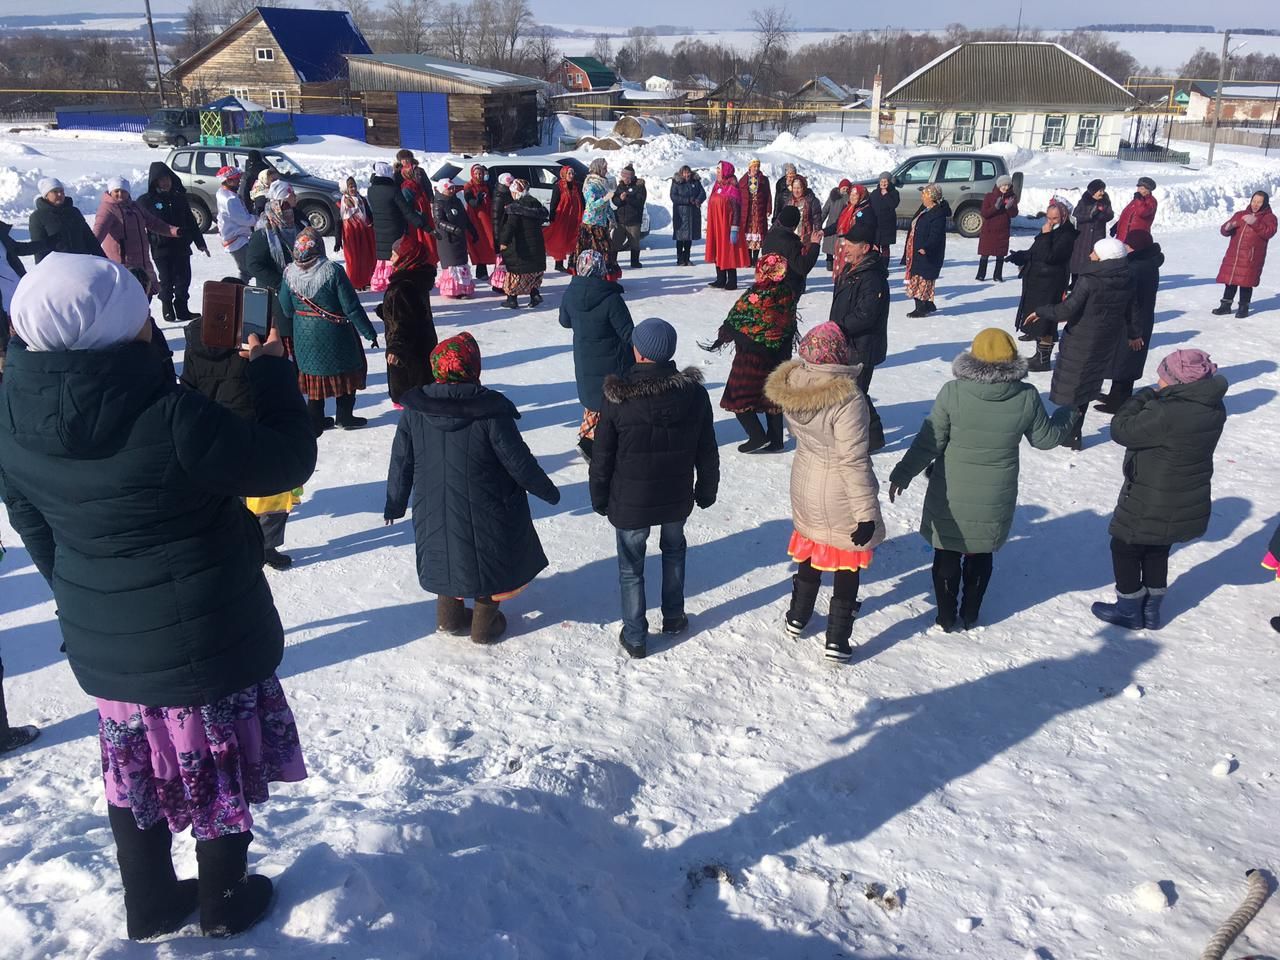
{"points": [[424, 121]]}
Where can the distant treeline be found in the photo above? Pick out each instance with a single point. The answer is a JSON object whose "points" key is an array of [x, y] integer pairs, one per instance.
{"points": [[1152, 27]]}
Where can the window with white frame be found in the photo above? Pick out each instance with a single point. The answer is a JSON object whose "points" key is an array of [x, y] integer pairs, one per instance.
{"points": [[279, 100], [928, 132], [241, 93], [1087, 131], [962, 135], [1001, 127], [1055, 130], [266, 54]]}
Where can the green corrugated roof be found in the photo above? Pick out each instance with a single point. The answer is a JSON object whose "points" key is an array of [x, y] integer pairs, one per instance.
{"points": [[597, 72]]}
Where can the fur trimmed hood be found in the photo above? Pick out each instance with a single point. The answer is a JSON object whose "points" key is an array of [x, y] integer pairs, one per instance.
{"points": [[968, 367], [803, 390], [639, 383]]}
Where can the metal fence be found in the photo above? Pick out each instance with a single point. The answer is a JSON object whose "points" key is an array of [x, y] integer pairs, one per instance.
{"points": [[104, 120], [1228, 133]]}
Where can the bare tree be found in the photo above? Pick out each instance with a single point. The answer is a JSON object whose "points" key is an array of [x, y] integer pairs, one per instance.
{"points": [[603, 49], [197, 30], [363, 13], [541, 51], [642, 46], [406, 25], [773, 37], [455, 28], [514, 19]]}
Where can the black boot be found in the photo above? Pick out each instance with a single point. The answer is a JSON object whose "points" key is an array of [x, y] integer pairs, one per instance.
{"points": [[998, 276], [166, 311], [512, 302], [804, 594], [11, 738], [1223, 308], [584, 447], [346, 419], [535, 298], [156, 902], [840, 617], [1121, 390], [946, 591], [560, 266], [319, 422], [722, 277], [756, 437], [831, 263], [755, 257], [982, 268], [1075, 441], [276, 560], [976, 574], [929, 307], [182, 311], [635, 260], [919, 311], [482, 271], [731, 280], [231, 901], [1243, 311], [773, 428], [1040, 363]]}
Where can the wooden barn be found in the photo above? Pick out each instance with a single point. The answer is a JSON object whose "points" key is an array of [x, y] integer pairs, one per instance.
{"points": [[289, 60], [442, 106]]}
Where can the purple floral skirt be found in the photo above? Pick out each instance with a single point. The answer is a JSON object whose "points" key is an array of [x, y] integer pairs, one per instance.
{"points": [[199, 767]]}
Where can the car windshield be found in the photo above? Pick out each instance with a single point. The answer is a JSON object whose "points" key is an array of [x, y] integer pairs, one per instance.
{"points": [[283, 165], [167, 116]]}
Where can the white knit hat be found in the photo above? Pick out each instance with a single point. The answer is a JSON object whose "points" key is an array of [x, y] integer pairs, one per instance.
{"points": [[73, 301], [382, 169], [118, 183], [1109, 248], [48, 183]]}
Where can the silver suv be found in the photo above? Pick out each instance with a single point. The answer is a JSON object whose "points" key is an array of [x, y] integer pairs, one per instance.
{"points": [[197, 167], [965, 178]]}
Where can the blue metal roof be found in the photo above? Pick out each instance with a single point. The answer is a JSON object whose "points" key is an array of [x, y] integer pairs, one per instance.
{"points": [[314, 41]]}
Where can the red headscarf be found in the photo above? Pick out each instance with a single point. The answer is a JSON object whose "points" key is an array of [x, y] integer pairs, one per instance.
{"points": [[456, 360]]}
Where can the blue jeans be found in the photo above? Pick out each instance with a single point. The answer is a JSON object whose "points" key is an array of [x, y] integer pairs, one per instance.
{"points": [[631, 549]]}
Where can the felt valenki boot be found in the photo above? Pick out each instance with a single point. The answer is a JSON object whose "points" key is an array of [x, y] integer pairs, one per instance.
{"points": [[804, 594], [487, 622], [452, 617], [756, 436], [773, 430], [346, 418], [919, 311], [731, 280], [721, 279], [535, 298], [156, 902], [1126, 612], [231, 901]]}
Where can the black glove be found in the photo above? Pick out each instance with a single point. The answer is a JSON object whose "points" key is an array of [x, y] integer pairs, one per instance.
{"points": [[862, 536], [602, 509], [705, 503], [1113, 229], [373, 344]]}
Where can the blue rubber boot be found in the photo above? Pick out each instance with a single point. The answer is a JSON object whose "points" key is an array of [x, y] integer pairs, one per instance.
{"points": [[1151, 608], [1125, 612]]}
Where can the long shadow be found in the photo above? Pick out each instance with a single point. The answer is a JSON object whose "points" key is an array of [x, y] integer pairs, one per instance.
{"points": [[359, 633], [1178, 281], [515, 358], [1241, 372], [1250, 400], [1238, 564], [995, 305], [923, 352]]}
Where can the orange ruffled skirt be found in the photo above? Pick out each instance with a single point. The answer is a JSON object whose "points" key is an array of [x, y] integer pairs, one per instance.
{"points": [[827, 558]]}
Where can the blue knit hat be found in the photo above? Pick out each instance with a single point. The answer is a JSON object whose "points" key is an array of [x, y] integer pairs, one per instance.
{"points": [[655, 339]]}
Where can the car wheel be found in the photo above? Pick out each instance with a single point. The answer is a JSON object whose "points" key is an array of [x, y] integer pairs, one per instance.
{"points": [[201, 215], [317, 217], [968, 220], [179, 141]]}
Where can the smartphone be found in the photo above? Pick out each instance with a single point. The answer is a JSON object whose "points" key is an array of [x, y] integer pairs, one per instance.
{"points": [[220, 315], [255, 312]]}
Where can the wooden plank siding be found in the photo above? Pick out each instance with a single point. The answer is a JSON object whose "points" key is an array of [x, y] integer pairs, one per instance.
{"points": [[384, 111]]}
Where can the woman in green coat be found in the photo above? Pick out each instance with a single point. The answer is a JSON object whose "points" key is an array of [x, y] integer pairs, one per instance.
{"points": [[968, 447]]}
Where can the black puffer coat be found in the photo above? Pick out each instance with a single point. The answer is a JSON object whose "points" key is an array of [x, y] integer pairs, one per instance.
{"points": [[886, 208], [392, 214], [629, 200], [126, 490], [1170, 436], [1091, 218], [800, 256], [687, 198], [62, 229], [1045, 268], [594, 310], [655, 452], [520, 241], [458, 451], [410, 330], [174, 209], [221, 375], [860, 307], [1096, 313], [1128, 364], [931, 237], [452, 227]]}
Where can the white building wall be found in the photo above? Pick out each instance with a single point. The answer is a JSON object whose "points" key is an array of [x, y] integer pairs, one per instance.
{"points": [[1027, 130]]}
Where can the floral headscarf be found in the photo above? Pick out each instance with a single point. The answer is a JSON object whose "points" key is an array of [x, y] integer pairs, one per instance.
{"points": [[456, 360], [825, 345], [308, 248], [591, 263], [408, 253], [765, 315], [281, 229]]}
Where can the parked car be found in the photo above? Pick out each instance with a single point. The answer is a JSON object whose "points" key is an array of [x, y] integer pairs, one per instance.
{"points": [[197, 167], [965, 178], [172, 127], [541, 173]]}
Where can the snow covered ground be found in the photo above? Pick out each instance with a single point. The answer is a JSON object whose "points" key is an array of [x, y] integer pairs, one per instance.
{"points": [[995, 794]]}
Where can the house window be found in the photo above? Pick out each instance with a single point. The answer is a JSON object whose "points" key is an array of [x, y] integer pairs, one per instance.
{"points": [[1001, 127], [1087, 131], [241, 93], [279, 100], [928, 132], [1055, 129], [265, 54], [962, 135]]}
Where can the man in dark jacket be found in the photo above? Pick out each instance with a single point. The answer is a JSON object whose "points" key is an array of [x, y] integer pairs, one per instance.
{"points": [[167, 199], [655, 456], [800, 256], [860, 308], [629, 199], [391, 213], [57, 223], [1045, 268]]}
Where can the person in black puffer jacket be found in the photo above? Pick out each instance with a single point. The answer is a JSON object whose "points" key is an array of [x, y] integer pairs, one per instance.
{"points": [[926, 249], [459, 453], [57, 223], [1097, 316], [1169, 433], [801, 257], [1045, 269], [860, 308], [390, 211], [523, 248], [167, 199], [1130, 359], [125, 488], [654, 457], [453, 226], [629, 199], [884, 201]]}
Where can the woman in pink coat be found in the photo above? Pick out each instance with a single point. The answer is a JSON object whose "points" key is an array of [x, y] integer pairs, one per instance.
{"points": [[726, 237], [999, 207], [1250, 230], [121, 226]]}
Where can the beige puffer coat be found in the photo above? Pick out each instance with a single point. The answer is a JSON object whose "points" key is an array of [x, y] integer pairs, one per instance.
{"points": [[833, 485]]}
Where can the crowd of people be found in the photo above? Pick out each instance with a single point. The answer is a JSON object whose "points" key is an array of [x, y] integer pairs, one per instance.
{"points": [[146, 500]]}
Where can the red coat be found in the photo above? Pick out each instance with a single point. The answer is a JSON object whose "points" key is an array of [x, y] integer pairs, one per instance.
{"points": [[1247, 251], [561, 234], [420, 199], [1138, 215], [724, 211], [998, 210], [756, 210], [476, 198]]}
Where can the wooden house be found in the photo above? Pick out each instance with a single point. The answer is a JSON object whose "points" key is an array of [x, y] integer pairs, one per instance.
{"points": [[578, 74], [288, 60], [1241, 102], [823, 93], [442, 106]]}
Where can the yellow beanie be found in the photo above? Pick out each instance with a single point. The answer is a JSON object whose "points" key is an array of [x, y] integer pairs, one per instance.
{"points": [[993, 345]]}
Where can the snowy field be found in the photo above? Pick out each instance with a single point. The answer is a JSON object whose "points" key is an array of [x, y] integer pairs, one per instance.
{"points": [[996, 794]]}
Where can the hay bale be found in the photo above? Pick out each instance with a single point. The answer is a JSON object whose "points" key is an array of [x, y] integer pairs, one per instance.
{"points": [[606, 143], [634, 127]]}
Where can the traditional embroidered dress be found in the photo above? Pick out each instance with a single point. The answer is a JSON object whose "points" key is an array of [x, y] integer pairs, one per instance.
{"points": [[359, 246], [762, 328], [757, 205]]}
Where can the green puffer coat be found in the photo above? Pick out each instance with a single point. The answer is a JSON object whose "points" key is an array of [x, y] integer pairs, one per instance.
{"points": [[1170, 436], [324, 313], [972, 437]]}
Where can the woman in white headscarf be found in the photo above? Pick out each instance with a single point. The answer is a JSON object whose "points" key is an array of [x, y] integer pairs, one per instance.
{"points": [[126, 490]]}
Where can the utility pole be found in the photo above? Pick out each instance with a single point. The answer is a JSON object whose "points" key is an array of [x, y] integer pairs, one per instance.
{"points": [[155, 52], [1217, 97]]}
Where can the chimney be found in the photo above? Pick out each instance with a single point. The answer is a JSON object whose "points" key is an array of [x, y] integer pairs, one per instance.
{"points": [[877, 88]]}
